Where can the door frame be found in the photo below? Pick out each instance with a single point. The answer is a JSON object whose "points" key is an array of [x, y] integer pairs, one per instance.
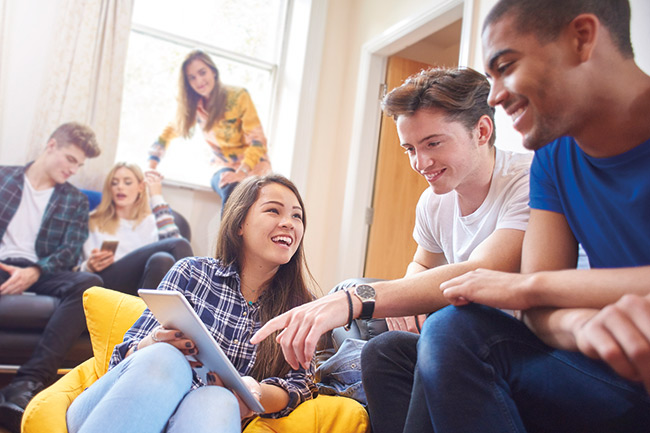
{"points": [[367, 117]]}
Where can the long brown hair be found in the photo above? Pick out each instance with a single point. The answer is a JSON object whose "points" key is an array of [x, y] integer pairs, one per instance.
{"points": [[287, 289], [104, 218], [188, 99]]}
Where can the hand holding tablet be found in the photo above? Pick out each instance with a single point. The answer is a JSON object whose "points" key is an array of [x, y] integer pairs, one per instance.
{"points": [[173, 311]]}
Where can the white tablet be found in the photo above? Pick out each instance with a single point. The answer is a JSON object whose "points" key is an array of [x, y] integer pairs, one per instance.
{"points": [[173, 311]]}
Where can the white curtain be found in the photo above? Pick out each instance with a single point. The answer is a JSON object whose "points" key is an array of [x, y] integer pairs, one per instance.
{"points": [[85, 78]]}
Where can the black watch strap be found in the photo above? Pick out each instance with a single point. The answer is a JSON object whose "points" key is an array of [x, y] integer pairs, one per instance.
{"points": [[367, 308]]}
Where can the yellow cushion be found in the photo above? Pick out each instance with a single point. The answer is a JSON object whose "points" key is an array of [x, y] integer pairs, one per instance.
{"points": [[109, 314], [324, 414]]}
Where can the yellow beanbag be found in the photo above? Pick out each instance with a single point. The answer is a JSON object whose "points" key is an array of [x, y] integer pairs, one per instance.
{"points": [[109, 314]]}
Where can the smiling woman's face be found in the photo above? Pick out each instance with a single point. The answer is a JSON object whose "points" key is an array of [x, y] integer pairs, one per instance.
{"points": [[200, 77], [273, 228]]}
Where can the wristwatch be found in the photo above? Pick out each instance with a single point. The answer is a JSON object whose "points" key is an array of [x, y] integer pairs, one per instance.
{"points": [[366, 294]]}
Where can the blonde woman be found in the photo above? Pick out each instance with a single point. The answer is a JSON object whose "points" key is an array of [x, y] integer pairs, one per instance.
{"points": [[226, 116], [148, 243]]}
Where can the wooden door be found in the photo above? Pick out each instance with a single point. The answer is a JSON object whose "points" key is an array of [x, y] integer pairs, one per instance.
{"points": [[397, 190]]}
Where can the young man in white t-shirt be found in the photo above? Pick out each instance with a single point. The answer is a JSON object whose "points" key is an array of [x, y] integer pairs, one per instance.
{"points": [[43, 225], [473, 215]]}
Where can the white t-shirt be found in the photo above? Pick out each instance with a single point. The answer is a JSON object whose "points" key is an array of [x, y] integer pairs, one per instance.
{"points": [[130, 238], [19, 240], [440, 228]]}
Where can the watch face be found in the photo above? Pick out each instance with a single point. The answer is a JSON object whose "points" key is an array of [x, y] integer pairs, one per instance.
{"points": [[365, 292]]}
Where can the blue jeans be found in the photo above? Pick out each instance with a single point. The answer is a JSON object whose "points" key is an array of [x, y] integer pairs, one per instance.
{"points": [[484, 371], [224, 192], [150, 391]]}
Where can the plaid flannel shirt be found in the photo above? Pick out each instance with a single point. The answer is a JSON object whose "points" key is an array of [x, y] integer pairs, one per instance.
{"points": [[214, 292], [64, 227]]}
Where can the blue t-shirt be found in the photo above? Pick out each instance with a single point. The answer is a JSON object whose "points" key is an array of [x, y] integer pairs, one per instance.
{"points": [[606, 201]]}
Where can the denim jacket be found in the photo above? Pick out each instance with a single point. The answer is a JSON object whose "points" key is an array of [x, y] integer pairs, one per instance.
{"points": [[341, 373]]}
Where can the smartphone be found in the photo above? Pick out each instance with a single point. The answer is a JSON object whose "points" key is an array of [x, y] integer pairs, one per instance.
{"points": [[110, 246]]}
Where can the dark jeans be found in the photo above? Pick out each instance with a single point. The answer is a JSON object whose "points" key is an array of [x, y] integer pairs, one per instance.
{"points": [[388, 367], [224, 192], [483, 371], [65, 325], [146, 266]]}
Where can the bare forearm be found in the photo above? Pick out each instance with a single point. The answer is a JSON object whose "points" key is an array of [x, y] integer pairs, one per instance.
{"points": [[273, 398], [418, 293], [593, 288], [557, 327]]}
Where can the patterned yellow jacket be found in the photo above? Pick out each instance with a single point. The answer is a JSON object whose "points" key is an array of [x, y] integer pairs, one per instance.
{"points": [[235, 139]]}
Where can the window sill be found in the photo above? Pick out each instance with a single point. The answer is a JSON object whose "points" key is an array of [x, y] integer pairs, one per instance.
{"points": [[179, 184]]}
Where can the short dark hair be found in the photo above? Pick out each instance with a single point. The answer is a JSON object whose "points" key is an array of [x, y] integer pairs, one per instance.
{"points": [[78, 134], [546, 18], [461, 92]]}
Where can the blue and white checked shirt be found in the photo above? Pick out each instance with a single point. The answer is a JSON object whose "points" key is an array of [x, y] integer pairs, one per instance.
{"points": [[214, 292]]}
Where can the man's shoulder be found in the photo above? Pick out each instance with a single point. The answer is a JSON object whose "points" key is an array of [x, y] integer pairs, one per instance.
{"points": [[7, 170], [510, 163]]}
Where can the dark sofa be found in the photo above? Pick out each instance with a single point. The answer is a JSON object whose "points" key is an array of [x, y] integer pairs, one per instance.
{"points": [[23, 318]]}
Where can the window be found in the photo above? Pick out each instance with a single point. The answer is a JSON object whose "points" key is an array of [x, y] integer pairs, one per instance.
{"points": [[243, 37]]}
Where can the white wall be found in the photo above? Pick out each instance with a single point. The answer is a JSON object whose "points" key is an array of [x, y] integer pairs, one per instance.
{"points": [[640, 31], [24, 63], [350, 25]]}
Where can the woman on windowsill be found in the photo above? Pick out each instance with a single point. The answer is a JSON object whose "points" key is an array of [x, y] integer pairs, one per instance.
{"points": [[148, 240], [227, 118]]}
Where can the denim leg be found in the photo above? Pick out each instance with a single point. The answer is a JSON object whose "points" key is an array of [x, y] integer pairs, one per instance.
{"points": [[207, 409], [227, 189], [482, 370], [65, 325], [140, 394], [388, 365]]}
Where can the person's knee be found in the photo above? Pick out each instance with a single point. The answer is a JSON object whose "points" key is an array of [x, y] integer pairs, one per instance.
{"points": [[389, 348], [161, 260], [223, 411], [455, 332], [216, 396], [181, 248], [163, 365], [81, 281]]}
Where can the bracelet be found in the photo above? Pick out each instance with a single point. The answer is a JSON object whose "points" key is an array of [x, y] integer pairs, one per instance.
{"points": [[350, 312]]}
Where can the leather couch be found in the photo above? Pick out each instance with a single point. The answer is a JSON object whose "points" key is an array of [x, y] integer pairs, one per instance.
{"points": [[23, 318]]}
